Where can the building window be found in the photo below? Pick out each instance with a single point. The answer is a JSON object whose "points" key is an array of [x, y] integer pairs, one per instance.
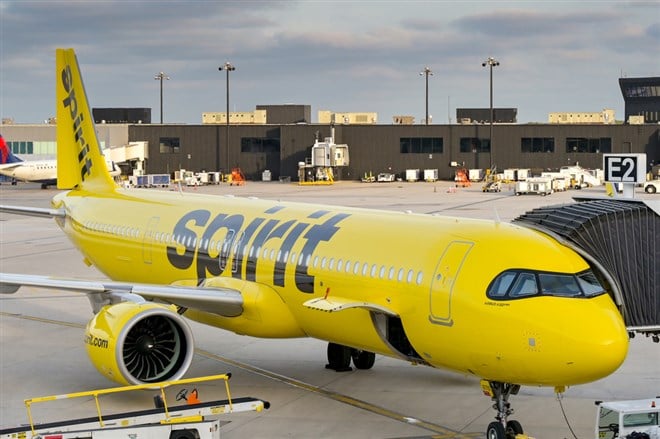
{"points": [[589, 144], [169, 145], [537, 144], [421, 145], [474, 144], [260, 145], [21, 147]]}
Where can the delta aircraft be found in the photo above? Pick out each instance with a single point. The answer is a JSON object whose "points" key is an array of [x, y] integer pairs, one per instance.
{"points": [[421, 288], [38, 171]]}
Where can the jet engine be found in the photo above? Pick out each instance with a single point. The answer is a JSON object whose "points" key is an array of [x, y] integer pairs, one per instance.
{"points": [[137, 343]]}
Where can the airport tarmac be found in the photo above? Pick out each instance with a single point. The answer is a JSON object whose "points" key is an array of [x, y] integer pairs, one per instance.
{"points": [[42, 351]]}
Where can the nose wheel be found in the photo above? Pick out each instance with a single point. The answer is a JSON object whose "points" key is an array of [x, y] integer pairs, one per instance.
{"points": [[502, 428]]}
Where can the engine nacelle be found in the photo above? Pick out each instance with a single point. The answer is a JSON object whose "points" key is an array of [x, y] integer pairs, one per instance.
{"points": [[136, 343]]}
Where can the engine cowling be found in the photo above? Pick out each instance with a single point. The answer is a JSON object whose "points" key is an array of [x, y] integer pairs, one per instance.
{"points": [[137, 343]]}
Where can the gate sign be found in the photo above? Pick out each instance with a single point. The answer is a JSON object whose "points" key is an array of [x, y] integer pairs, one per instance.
{"points": [[625, 168]]}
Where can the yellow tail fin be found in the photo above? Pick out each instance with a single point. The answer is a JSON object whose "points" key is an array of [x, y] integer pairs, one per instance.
{"points": [[80, 163]]}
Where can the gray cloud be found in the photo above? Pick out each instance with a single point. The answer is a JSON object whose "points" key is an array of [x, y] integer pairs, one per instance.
{"points": [[358, 56]]}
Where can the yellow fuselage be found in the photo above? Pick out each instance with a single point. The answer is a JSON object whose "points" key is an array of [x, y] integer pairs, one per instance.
{"points": [[432, 272]]}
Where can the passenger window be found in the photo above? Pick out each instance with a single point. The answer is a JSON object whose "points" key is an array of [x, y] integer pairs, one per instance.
{"points": [[365, 269], [381, 275], [390, 275], [356, 267], [525, 285], [501, 284], [399, 276], [374, 268], [340, 265], [559, 285], [331, 264], [410, 276], [420, 278]]}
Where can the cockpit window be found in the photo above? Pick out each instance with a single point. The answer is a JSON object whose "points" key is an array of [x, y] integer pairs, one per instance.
{"points": [[559, 285], [525, 285], [501, 284], [514, 284], [590, 284]]}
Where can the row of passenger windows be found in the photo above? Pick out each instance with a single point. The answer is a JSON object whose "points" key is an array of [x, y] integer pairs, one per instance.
{"points": [[514, 284], [338, 265]]}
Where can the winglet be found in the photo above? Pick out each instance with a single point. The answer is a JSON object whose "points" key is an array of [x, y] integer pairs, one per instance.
{"points": [[80, 163]]}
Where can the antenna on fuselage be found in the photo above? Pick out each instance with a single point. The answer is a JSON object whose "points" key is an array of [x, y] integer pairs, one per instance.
{"points": [[497, 215]]}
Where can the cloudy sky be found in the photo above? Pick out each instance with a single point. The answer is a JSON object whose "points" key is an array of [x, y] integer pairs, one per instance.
{"points": [[344, 56]]}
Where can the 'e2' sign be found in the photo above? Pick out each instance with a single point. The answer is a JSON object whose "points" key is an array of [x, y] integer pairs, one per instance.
{"points": [[624, 168]]}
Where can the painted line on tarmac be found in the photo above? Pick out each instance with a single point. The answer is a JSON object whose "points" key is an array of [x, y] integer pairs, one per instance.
{"points": [[444, 432], [441, 432]]}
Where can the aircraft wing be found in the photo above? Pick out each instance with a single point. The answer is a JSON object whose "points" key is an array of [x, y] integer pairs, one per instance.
{"points": [[33, 211], [222, 301]]}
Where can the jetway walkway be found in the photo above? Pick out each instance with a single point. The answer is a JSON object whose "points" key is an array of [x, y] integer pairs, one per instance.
{"points": [[621, 238]]}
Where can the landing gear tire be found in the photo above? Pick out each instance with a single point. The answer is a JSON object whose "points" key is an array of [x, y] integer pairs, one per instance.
{"points": [[495, 431], [339, 358], [513, 428], [499, 393], [363, 359]]}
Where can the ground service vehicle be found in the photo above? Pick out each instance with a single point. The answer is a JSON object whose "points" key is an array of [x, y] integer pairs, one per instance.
{"points": [[628, 419], [191, 420], [652, 187]]}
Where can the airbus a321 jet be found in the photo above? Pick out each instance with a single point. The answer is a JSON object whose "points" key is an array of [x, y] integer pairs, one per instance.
{"points": [[421, 288]]}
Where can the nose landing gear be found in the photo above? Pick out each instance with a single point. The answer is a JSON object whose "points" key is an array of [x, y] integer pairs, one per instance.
{"points": [[502, 428]]}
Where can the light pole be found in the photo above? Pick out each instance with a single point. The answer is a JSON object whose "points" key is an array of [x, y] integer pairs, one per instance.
{"points": [[159, 77], [227, 67], [491, 62], [427, 71]]}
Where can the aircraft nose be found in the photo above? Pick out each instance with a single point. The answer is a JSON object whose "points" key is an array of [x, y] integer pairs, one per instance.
{"points": [[599, 350]]}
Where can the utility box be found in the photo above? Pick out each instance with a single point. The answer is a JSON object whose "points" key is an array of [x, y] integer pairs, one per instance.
{"points": [[476, 174], [159, 180], [430, 175], [540, 186], [412, 174]]}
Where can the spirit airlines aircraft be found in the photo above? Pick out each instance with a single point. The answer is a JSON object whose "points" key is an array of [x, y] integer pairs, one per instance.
{"points": [[39, 171], [421, 288]]}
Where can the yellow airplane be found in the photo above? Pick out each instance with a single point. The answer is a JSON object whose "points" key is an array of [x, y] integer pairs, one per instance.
{"points": [[437, 291]]}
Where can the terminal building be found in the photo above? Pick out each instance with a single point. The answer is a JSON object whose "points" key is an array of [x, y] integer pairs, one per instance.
{"points": [[277, 138], [642, 99]]}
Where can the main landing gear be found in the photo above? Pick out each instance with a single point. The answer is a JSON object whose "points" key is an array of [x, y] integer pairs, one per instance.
{"points": [[502, 428], [339, 358]]}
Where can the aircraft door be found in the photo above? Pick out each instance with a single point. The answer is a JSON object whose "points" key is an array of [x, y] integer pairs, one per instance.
{"points": [[148, 240], [442, 283]]}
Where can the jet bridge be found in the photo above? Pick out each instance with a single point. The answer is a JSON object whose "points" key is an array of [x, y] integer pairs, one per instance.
{"points": [[619, 237]]}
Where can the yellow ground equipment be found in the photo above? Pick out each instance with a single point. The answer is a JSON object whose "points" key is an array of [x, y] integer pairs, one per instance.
{"points": [[189, 418]]}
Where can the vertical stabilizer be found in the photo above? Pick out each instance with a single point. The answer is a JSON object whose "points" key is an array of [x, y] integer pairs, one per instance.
{"points": [[6, 156], [80, 163]]}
